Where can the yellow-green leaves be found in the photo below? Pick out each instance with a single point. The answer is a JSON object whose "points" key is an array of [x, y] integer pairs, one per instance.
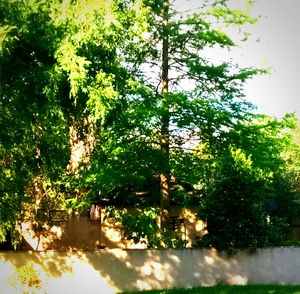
{"points": [[231, 16], [101, 93], [7, 36], [75, 66]]}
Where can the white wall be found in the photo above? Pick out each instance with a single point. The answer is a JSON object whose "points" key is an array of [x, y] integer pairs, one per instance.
{"points": [[117, 270]]}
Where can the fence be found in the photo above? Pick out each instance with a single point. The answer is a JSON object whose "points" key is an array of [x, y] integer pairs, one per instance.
{"points": [[117, 270]]}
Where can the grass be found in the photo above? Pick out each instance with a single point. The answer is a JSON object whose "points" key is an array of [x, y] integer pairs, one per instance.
{"points": [[251, 289]]}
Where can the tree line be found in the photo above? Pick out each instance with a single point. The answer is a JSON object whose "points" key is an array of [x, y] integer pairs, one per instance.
{"points": [[109, 99]]}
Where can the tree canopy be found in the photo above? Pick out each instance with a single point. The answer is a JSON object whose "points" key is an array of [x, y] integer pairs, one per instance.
{"points": [[108, 99]]}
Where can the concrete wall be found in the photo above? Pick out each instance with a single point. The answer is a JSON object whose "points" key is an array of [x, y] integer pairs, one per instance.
{"points": [[117, 270]]}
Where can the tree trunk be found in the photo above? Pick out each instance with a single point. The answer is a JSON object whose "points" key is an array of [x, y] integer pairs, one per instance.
{"points": [[165, 122], [82, 139]]}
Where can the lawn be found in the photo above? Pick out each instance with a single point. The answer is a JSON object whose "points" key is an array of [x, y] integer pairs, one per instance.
{"points": [[252, 289]]}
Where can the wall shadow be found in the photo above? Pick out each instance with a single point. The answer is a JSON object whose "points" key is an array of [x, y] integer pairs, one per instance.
{"points": [[117, 270]]}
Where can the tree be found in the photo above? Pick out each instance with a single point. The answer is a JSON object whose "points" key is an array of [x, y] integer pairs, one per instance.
{"points": [[176, 41], [116, 99], [243, 203], [31, 145], [157, 119], [59, 74]]}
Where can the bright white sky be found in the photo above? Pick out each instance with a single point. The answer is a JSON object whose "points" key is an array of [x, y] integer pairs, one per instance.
{"points": [[278, 48]]}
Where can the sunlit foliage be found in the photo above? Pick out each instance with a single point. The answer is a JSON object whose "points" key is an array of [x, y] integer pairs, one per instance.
{"points": [[84, 116]]}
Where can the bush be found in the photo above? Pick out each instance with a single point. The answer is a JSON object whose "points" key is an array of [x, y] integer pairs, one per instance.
{"points": [[144, 226]]}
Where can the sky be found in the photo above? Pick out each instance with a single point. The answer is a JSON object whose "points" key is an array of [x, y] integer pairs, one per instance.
{"points": [[278, 48], [274, 44]]}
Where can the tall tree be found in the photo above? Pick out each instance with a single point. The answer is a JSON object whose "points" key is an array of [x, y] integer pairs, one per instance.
{"points": [[175, 96], [59, 74], [175, 42], [32, 146], [165, 119]]}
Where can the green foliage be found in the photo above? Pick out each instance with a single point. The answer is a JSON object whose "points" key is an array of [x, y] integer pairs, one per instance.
{"points": [[243, 180], [95, 68], [31, 144], [138, 227], [143, 226], [234, 207]]}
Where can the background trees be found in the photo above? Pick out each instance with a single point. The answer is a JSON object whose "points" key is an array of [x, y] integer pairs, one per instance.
{"points": [[244, 201], [107, 100]]}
